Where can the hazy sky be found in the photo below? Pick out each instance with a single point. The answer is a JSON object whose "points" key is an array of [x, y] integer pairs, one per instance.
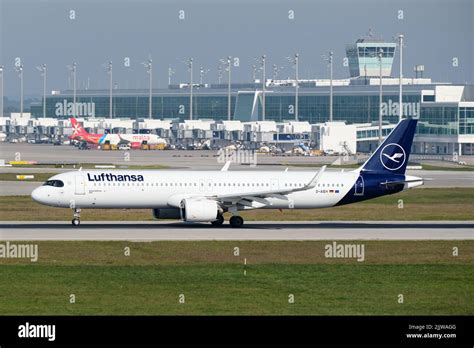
{"points": [[41, 31]]}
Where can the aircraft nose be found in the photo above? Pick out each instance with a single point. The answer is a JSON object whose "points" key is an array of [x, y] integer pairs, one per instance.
{"points": [[38, 195]]}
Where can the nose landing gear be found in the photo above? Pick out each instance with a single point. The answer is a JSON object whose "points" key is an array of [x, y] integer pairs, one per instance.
{"points": [[76, 221], [219, 221]]}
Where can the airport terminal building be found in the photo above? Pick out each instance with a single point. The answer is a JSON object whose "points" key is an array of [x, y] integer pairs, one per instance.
{"points": [[445, 110]]}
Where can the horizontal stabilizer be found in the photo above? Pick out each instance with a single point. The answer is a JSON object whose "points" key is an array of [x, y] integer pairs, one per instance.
{"points": [[402, 182]]}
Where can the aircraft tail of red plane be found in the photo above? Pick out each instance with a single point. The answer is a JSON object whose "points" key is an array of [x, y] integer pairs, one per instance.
{"points": [[79, 133]]}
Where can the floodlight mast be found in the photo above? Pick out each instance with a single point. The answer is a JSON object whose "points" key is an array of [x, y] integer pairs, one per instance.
{"points": [[329, 60], [400, 96], [219, 73], [19, 70], [149, 69], [202, 72], [380, 95], [42, 70], [331, 54], [263, 85], [73, 68], [1, 90], [295, 62], [170, 73], [109, 71], [228, 89], [189, 64]]}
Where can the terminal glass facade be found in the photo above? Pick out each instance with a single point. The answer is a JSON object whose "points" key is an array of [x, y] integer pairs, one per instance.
{"points": [[351, 105], [466, 120], [348, 108], [213, 107]]}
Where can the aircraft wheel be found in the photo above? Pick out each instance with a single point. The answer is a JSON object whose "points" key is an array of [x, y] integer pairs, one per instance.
{"points": [[219, 221], [76, 222], [236, 221]]}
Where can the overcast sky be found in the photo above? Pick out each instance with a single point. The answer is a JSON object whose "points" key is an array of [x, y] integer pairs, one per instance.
{"points": [[41, 31]]}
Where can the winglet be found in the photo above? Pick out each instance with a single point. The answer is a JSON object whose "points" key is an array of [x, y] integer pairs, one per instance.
{"points": [[226, 166], [316, 178]]}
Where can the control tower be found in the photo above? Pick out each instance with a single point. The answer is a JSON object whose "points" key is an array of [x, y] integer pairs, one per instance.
{"points": [[363, 57]]}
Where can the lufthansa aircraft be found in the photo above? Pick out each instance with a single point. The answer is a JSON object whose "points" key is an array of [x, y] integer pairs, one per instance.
{"points": [[204, 196]]}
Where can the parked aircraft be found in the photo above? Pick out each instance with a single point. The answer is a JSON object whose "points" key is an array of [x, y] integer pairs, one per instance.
{"points": [[134, 140]]}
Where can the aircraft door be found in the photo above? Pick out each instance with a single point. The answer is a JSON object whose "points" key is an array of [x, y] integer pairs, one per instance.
{"points": [[359, 186], [80, 185]]}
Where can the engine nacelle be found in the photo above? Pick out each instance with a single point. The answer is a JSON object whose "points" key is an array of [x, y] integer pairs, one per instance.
{"points": [[199, 210], [167, 213]]}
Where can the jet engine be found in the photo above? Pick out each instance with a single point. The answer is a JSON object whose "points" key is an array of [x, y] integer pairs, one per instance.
{"points": [[167, 213], [199, 210]]}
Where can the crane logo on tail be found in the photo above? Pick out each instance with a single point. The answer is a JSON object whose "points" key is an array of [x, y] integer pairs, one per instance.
{"points": [[392, 156]]}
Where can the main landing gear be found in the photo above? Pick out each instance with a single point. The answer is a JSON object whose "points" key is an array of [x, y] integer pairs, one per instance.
{"points": [[76, 221], [236, 221]]}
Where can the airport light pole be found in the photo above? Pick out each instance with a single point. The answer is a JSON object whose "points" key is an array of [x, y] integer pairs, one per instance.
{"points": [[219, 73], [380, 95], [202, 72], [170, 73], [275, 71], [42, 70], [189, 64], [109, 71], [254, 73], [329, 59], [1, 91], [264, 85], [262, 62], [400, 95], [331, 96], [72, 68], [149, 69], [229, 71], [19, 70], [294, 62], [228, 68]]}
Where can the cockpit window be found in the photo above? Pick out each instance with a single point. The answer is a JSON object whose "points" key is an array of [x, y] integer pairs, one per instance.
{"points": [[55, 183]]}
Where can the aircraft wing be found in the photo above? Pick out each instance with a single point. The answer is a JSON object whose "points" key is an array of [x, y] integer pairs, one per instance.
{"points": [[257, 198], [254, 199]]}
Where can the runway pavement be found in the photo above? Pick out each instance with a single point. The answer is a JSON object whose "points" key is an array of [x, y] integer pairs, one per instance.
{"points": [[252, 230]]}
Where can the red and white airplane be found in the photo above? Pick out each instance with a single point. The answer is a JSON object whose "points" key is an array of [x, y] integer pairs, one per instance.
{"points": [[134, 140]]}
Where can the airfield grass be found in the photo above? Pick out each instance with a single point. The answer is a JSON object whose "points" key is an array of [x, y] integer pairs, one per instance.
{"points": [[418, 205], [150, 280]]}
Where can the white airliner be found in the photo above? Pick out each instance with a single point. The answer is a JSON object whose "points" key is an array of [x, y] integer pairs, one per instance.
{"points": [[204, 196]]}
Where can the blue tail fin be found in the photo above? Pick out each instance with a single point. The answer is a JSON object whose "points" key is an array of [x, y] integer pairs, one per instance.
{"points": [[392, 155]]}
